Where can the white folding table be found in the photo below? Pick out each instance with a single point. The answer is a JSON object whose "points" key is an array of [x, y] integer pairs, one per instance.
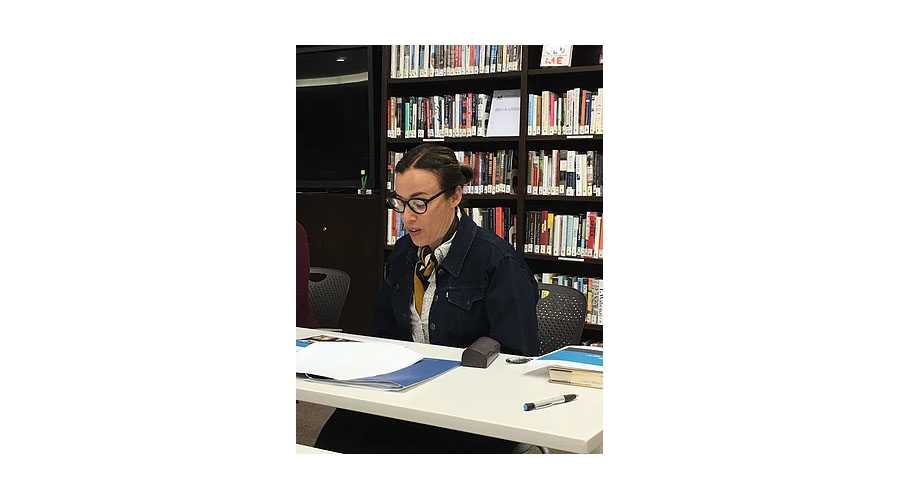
{"points": [[480, 401]]}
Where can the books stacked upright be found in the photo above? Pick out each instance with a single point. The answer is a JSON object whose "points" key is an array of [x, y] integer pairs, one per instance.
{"points": [[591, 287], [427, 61], [578, 112], [567, 236], [498, 220], [438, 116], [563, 172], [574, 365], [493, 170]]}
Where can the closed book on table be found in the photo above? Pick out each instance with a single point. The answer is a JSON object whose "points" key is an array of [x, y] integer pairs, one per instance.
{"points": [[583, 378]]}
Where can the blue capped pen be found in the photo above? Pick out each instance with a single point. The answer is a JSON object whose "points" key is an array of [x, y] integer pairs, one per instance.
{"points": [[549, 402]]}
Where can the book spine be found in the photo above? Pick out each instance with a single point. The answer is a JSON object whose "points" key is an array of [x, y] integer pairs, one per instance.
{"points": [[545, 101], [530, 127], [599, 157], [529, 235], [394, 61], [587, 114], [583, 229], [572, 241], [529, 173], [558, 232], [591, 220], [554, 172], [563, 172], [561, 236], [600, 111], [544, 235], [406, 60], [600, 302], [423, 61], [598, 238], [579, 174], [582, 109], [542, 165], [548, 172]]}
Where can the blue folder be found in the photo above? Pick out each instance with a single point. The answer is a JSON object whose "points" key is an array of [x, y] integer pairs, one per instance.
{"points": [[418, 372]]}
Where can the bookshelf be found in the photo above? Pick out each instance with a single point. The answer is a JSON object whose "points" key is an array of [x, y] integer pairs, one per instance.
{"points": [[586, 72]]}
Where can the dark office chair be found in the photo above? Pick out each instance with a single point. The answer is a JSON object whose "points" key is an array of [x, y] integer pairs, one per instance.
{"points": [[327, 292], [560, 313]]}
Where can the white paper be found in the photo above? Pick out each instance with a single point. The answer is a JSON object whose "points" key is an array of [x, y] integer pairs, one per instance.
{"points": [[352, 360]]}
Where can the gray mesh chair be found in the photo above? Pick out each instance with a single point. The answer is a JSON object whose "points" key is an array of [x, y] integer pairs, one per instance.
{"points": [[327, 291], [560, 313]]}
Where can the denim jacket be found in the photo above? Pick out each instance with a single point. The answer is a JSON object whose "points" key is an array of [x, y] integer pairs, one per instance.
{"points": [[483, 288]]}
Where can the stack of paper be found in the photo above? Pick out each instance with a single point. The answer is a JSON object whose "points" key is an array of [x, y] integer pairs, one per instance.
{"points": [[352, 360]]}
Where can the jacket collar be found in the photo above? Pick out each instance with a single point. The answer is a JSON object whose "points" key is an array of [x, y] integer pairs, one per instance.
{"points": [[465, 235]]}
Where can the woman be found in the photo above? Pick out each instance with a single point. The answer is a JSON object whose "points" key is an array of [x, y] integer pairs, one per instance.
{"points": [[448, 282]]}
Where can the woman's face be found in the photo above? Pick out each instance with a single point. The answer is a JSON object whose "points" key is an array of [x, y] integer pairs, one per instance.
{"points": [[428, 228]]}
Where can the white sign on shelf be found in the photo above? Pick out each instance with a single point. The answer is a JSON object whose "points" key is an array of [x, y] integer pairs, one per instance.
{"points": [[504, 117], [556, 55]]}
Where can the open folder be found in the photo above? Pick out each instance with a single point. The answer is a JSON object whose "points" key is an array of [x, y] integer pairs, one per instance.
{"points": [[375, 365]]}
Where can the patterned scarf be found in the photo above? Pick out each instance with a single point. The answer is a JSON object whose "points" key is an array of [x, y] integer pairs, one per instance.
{"points": [[425, 266]]}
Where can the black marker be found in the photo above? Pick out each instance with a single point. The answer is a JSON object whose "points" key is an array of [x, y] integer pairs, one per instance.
{"points": [[549, 402]]}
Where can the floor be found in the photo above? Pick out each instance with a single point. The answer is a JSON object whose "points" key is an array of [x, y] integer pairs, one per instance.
{"points": [[311, 417]]}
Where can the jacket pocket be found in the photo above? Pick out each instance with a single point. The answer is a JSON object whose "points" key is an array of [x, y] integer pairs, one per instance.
{"points": [[464, 298]]}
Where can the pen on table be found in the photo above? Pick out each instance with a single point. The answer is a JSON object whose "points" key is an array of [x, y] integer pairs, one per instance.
{"points": [[565, 398]]}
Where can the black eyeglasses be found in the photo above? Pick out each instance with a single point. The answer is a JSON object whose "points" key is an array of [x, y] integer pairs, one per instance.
{"points": [[417, 205]]}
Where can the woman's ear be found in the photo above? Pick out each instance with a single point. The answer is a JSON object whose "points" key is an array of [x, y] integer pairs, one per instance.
{"points": [[457, 196]]}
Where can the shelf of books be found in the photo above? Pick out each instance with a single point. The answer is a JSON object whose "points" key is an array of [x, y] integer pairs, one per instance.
{"points": [[532, 134], [436, 61]]}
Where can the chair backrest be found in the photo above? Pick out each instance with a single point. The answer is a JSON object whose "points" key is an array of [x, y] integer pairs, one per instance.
{"points": [[560, 313], [327, 291]]}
